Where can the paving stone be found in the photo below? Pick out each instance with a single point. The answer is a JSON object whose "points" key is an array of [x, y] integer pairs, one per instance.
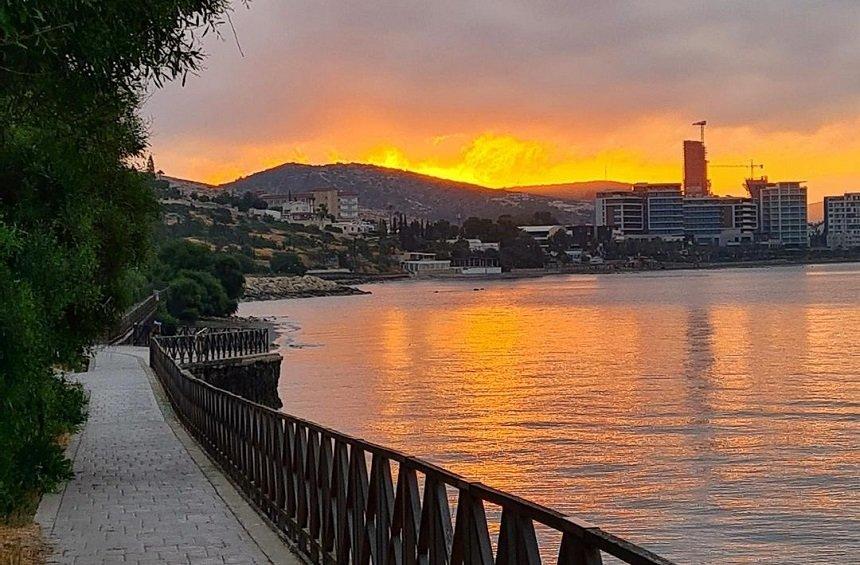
{"points": [[137, 495]]}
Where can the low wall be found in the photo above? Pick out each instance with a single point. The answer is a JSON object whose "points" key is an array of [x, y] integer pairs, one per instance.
{"points": [[253, 377]]}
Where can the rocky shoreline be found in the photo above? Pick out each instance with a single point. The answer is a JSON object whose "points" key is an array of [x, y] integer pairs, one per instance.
{"points": [[276, 288]]}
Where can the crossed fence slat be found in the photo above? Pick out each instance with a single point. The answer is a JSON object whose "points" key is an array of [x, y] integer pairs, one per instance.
{"points": [[313, 482]]}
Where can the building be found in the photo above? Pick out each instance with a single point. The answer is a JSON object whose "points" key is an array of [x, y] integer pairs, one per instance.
{"points": [[423, 263], [298, 210], [663, 211], [354, 227], [265, 213], [659, 211], [622, 211], [478, 266], [476, 244], [696, 181], [541, 234], [585, 235], [347, 206], [842, 220], [332, 202], [275, 200], [781, 211], [720, 220], [326, 202]]}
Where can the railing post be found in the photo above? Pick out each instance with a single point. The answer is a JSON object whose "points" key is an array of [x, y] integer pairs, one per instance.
{"points": [[313, 482], [574, 552]]}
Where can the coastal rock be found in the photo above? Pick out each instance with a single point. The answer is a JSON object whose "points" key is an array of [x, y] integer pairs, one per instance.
{"points": [[273, 288]]}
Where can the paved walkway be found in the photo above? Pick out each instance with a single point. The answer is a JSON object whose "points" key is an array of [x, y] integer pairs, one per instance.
{"points": [[143, 492]]}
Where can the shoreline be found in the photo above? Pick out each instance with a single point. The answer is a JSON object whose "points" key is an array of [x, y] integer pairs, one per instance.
{"points": [[332, 288], [611, 269]]}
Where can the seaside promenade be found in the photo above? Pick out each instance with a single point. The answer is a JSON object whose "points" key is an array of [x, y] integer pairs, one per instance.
{"points": [[143, 492]]}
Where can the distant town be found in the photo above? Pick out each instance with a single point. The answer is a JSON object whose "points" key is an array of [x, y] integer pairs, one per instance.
{"points": [[648, 226]]}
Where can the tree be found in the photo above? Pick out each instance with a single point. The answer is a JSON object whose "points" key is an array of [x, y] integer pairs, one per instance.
{"points": [[461, 250], [75, 211], [521, 252], [250, 200], [230, 273], [560, 241]]}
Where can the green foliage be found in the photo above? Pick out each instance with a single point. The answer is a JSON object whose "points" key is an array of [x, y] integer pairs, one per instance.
{"points": [[230, 272], [184, 299], [287, 264], [75, 213], [521, 252], [199, 281]]}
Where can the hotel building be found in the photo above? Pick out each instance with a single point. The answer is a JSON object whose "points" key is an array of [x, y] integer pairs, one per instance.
{"points": [[842, 220], [622, 211], [720, 220], [781, 211], [653, 211], [663, 212]]}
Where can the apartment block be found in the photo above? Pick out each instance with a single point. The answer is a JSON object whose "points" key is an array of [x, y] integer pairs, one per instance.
{"points": [[842, 220], [782, 214]]}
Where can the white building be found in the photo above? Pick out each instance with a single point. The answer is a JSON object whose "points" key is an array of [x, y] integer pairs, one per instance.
{"points": [[476, 244], [663, 208], [267, 213], [720, 220], [842, 220], [354, 227], [781, 211], [423, 263], [541, 234], [298, 210], [621, 210], [347, 205]]}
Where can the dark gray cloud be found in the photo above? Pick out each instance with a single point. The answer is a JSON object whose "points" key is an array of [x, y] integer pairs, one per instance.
{"points": [[773, 64]]}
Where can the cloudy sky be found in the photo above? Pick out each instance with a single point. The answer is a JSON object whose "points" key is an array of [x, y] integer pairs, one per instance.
{"points": [[500, 92]]}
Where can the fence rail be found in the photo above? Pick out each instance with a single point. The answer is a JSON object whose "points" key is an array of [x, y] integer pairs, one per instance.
{"points": [[212, 344], [316, 487], [136, 315]]}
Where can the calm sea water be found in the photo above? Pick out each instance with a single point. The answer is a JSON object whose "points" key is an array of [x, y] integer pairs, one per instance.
{"points": [[711, 416]]}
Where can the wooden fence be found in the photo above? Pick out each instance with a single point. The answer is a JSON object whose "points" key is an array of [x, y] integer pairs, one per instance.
{"points": [[140, 313], [314, 484], [212, 344]]}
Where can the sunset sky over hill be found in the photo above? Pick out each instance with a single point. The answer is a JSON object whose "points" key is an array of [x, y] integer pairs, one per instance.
{"points": [[507, 93]]}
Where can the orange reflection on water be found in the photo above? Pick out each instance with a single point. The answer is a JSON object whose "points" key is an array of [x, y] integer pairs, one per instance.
{"points": [[717, 406]]}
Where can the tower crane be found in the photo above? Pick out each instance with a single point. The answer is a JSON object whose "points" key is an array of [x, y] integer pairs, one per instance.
{"points": [[752, 167], [701, 125]]}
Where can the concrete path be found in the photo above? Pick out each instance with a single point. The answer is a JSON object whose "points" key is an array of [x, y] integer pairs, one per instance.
{"points": [[143, 491]]}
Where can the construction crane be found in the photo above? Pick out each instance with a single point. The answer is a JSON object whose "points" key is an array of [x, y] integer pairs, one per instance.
{"points": [[701, 125], [752, 167]]}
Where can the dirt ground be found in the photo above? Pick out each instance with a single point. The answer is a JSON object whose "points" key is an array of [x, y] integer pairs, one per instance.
{"points": [[22, 545]]}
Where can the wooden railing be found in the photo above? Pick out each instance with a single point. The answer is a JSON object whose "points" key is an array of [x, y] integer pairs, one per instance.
{"points": [[212, 344], [314, 485], [140, 313]]}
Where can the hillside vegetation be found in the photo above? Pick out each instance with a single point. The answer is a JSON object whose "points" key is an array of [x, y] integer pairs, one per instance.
{"points": [[417, 196]]}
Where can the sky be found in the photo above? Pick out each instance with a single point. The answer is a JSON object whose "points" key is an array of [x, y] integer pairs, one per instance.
{"points": [[502, 93]]}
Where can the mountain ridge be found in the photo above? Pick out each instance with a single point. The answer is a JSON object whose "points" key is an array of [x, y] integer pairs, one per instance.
{"points": [[416, 195]]}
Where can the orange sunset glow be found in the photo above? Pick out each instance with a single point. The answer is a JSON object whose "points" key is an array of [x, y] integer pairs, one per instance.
{"points": [[427, 91]]}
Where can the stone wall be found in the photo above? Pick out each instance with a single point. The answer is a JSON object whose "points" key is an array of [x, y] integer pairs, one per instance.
{"points": [[254, 377]]}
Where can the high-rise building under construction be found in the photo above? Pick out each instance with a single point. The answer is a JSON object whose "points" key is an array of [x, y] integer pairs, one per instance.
{"points": [[696, 181]]}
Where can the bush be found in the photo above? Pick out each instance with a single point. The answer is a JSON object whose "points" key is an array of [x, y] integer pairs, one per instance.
{"points": [[230, 272], [185, 299]]}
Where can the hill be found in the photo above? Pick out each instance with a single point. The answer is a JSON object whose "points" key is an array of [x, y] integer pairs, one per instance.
{"points": [[815, 212], [187, 186], [572, 190], [419, 196]]}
